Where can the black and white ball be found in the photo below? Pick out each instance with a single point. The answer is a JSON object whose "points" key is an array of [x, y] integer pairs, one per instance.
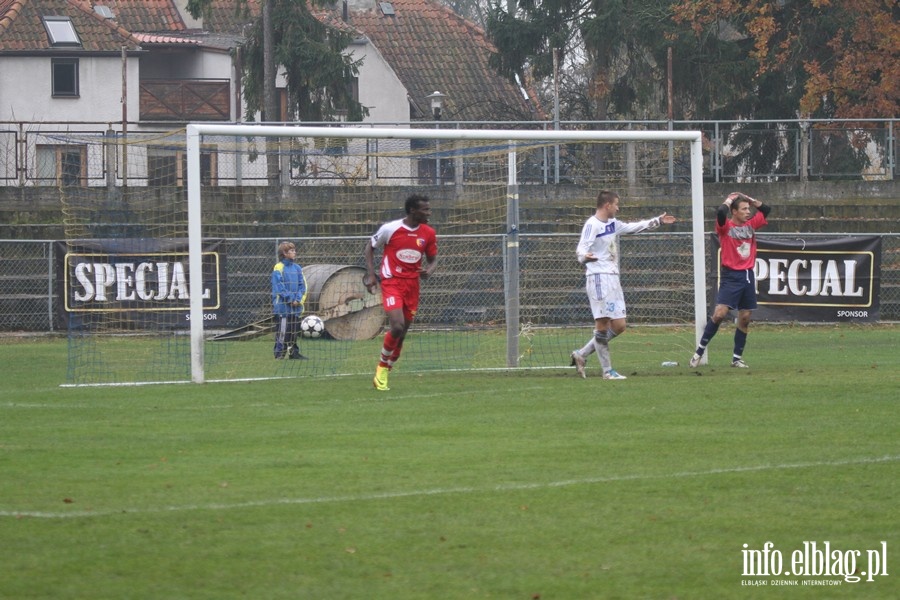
{"points": [[312, 327]]}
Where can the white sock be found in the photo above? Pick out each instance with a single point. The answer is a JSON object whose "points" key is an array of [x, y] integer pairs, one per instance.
{"points": [[588, 349]]}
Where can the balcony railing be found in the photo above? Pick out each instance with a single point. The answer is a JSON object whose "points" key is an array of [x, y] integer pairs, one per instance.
{"points": [[185, 100]]}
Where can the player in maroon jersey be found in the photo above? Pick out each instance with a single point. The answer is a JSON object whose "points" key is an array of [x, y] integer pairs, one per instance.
{"points": [[737, 284], [409, 252]]}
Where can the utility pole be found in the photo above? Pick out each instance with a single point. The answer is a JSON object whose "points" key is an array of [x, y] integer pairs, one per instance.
{"points": [[270, 103]]}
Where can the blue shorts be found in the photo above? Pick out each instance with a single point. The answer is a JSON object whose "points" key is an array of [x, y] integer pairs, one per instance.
{"points": [[737, 289]]}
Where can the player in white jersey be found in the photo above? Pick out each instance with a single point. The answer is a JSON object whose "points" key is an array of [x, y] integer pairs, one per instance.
{"points": [[598, 251]]}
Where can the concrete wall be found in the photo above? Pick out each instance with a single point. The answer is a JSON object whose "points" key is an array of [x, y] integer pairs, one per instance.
{"points": [[814, 207]]}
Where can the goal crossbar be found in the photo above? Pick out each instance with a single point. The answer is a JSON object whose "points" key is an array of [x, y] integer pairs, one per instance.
{"points": [[196, 131]]}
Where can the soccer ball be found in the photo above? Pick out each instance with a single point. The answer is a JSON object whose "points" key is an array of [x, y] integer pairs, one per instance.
{"points": [[312, 326]]}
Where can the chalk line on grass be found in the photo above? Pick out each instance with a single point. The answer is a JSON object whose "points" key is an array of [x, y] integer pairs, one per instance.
{"points": [[509, 487]]}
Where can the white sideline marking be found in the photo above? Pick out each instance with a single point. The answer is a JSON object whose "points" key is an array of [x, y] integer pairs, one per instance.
{"points": [[370, 396], [511, 487]]}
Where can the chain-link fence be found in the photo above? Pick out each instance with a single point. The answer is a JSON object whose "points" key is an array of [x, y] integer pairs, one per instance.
{"points": [[466, 291], [27, 289]]}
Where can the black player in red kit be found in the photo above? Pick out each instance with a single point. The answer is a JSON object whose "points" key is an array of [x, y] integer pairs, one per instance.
{"points": [[409, 252]]}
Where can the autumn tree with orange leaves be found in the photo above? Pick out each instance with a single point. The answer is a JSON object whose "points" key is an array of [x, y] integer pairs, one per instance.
{"points": [[836, 58], [733, 59]]}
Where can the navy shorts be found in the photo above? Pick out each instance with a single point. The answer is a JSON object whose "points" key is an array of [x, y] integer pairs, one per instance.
{"points": [[737, 289]]}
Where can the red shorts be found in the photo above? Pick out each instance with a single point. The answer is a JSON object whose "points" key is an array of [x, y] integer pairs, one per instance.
{"points": [[402, 293]]}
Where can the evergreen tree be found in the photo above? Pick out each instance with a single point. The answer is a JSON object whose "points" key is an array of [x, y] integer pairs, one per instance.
{"points": [[320, 76]]}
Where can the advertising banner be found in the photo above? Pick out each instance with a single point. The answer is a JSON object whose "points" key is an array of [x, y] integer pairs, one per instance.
{"points": [[136, 283], [815, 279]]}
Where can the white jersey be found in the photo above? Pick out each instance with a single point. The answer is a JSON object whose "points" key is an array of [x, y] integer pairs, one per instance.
{"points": [[601, 238]]}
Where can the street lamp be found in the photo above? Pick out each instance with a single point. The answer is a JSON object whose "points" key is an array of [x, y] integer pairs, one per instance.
{"points": [[437, 103]]}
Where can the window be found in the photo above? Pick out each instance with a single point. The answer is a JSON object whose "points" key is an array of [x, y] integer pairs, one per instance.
{"points": [[65, 77], [104, 11], [61, 32], [62, 165], [166, 167], [354, 89], [342, 112]]}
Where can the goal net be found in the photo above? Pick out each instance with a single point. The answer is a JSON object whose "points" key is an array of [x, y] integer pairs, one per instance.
{"points": [[508, 207]]}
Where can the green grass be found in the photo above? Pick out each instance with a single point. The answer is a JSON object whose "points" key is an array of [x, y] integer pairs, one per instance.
{"points": [[454, 485], [117, 359]]}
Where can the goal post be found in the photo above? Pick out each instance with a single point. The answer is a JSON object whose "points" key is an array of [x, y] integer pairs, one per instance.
{"points": [[512, 137], [195, 256], [507, 204], [698, 240]]}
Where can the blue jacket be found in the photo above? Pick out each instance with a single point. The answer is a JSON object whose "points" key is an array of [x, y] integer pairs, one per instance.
{"points": [[288, 285]]}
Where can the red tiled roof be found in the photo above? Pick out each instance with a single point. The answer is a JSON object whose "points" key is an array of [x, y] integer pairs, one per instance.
{"points": [[145, 15], [431, 48], [333, 19], [21, 27], [9, 10], [229, 16]]}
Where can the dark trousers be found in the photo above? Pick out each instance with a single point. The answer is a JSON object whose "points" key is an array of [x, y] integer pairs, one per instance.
{"points": [[286, 329]]}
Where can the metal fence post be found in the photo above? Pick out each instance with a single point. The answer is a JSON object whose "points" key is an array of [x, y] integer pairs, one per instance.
{"points": [[511, 264], [804, 151], [891, 144], [50, 280]]}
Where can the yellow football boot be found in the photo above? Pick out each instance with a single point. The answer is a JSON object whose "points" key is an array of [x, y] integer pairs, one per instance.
{"points": [[381, 379]]}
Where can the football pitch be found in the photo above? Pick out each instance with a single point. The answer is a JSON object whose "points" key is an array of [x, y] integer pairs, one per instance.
{"points": [[676, 483]]}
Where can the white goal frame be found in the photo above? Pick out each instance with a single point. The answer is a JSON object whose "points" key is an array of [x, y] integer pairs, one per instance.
{"points": [[195, 131]]}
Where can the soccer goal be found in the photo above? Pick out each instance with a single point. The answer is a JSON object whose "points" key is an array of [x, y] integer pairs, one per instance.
{"points": [[508, 206]]}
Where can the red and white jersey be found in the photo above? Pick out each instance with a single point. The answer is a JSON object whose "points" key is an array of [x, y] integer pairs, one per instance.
{"points": [[403, 248], [738, 242]]}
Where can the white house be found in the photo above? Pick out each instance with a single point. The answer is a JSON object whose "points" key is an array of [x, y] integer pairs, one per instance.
{"points": [[75, 80]]}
